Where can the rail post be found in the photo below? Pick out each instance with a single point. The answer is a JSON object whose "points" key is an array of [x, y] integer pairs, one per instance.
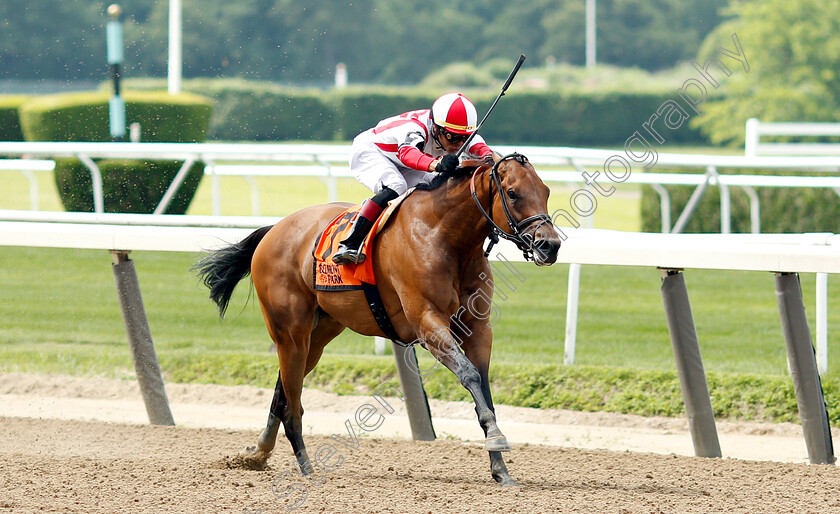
{"points": [[416, 402], [695, 390], [572, 299], [140, 339], [803, 369]]}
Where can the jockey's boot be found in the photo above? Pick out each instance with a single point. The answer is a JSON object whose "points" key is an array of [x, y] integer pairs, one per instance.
{"points": [[350, 250]]}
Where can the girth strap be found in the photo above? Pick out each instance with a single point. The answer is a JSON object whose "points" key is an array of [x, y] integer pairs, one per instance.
{"points": [[377, 308]]}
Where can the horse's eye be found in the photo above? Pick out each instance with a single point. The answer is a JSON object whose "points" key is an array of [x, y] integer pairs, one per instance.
{"points": [[512, 194]]}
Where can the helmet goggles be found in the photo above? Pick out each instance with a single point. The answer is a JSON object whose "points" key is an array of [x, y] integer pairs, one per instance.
{"points": [[452, 137]]}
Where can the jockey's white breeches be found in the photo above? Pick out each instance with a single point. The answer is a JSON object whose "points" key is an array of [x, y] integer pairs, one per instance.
{"points": [[375, 170]]}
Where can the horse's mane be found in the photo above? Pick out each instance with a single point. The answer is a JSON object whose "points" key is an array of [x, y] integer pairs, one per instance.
{"points": [[466, 169]]}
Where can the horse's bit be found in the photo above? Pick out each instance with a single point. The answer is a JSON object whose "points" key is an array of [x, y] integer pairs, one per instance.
{"points": [[522, 231]]}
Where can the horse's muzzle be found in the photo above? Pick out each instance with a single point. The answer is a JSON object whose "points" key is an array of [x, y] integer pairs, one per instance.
{"points": [[545, 251]]}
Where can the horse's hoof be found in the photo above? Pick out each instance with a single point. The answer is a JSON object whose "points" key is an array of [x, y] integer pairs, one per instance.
{"points": [[508, 482], [304, 463], [496, 444], [254, 452], [307, 468], [249, 458]]}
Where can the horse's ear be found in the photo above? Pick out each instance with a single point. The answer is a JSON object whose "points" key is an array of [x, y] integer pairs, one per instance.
{"points": [[469, 166], [486, 161]]}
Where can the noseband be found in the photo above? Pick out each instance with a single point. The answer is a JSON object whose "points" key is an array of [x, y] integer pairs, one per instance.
{"points": [[520, 231]]}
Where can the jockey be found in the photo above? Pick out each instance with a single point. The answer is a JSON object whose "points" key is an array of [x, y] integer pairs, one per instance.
{"points": [[403, 151]]}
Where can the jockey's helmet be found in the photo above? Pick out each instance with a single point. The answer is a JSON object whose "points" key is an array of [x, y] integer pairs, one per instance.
{"points": [[454, 113]]}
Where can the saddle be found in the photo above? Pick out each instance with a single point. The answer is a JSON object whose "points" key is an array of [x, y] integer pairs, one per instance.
{"points": [[329, 276]]}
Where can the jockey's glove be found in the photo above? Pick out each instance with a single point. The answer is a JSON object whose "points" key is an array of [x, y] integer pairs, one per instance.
{"points": [[447, 164]]}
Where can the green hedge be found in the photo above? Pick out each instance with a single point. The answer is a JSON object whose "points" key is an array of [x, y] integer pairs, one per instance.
{"points": [[127, 185], [259, 111], [179, 118], [270, 113], [9, 117], [575, 119], [537, 118], [255, 111], [360, 109], [783, 210]]}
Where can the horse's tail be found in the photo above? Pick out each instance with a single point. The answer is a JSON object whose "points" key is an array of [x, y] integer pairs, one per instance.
{"points": [[222, 269]]}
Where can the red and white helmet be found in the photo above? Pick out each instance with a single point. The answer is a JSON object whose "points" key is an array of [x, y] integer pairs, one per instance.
{"points": [[455, 113]]}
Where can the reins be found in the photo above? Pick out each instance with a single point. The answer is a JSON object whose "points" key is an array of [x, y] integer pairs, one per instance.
{"points": [[518, 235]]}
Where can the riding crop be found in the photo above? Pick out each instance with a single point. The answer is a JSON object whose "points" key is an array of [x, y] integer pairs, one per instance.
{"points": [[501, 94]]}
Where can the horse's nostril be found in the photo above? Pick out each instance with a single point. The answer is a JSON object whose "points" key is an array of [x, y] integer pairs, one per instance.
{"points": [[546, 249]]}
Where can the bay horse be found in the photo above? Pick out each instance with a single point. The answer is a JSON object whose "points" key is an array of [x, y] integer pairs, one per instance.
{"points": [[428, 260]]}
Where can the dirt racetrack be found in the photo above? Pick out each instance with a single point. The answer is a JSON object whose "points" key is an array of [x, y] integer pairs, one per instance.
{"points": [[51, 465]]}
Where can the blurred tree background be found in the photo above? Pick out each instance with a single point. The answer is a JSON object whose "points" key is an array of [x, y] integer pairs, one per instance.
{"points": [[643, 46], [380, 41], [794, 56]]}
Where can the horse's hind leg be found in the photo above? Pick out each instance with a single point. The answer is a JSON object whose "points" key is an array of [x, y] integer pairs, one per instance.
{"points": [[326, 329], [292, 352], [268, 438], [295, 362]]}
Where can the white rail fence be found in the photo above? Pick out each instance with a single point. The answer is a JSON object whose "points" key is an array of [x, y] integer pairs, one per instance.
{"points": [[329, 161], [801, 253], [755, 129], [783, 255]]}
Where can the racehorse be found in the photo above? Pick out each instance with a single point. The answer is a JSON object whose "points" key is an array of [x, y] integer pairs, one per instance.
{"points": [[429, 260]]}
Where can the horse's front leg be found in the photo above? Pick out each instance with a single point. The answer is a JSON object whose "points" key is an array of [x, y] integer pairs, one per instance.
{"points": [[440, 342], [477, 349]]}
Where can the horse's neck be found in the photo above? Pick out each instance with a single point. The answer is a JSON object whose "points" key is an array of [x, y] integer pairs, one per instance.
{"points": [[460, 222]]}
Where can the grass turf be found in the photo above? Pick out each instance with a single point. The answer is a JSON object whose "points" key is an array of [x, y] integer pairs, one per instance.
{"points": [[60, 315]]}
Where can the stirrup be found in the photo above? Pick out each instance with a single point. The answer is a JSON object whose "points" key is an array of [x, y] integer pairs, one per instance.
{"points": [[348, 255]]}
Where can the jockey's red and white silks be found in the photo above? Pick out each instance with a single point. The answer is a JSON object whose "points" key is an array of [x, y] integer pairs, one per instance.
{"points": [[397, 152]]}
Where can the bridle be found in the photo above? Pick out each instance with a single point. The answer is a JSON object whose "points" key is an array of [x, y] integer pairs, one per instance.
{"points": [[521, 232]]}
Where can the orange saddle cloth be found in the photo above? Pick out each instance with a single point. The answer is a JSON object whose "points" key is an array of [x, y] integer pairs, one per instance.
{"points": [[329, 276]]}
